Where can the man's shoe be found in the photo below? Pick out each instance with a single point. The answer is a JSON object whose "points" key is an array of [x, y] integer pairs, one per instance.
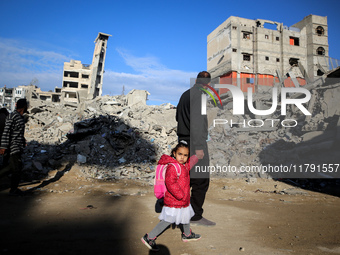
{"points": [[16, 192], [203, 222], [191, 237], [150, 243]]}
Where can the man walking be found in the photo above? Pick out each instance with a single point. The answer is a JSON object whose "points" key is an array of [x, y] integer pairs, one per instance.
{"points": [[192, 127], [13, 142]]}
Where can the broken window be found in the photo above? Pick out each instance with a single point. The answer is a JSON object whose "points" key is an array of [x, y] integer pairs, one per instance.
{"points": [[71, 74], [266, 36], [85, 76], [70, 84], [319, 73], [234, 27], [45, 98], [73, 85], [294, 41], [320, 51], [293, 61], [320, 31], [234, 50], [267, 58], [277, 60], [246, 57], [84, 86], [246, 35], [71, 95]]}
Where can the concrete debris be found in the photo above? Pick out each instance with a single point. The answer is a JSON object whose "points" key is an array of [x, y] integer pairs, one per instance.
{"points": [[112, 139], [257, 140], [107, 137]]}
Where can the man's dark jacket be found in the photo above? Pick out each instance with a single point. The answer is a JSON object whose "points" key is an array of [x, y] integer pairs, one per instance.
{"points": [[191, 124]]}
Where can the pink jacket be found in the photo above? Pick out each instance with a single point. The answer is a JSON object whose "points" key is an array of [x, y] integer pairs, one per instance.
{"points": [[178, 187]]}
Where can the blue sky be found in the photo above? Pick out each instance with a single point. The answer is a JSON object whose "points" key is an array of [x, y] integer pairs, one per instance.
{"points": [[155, 45]]}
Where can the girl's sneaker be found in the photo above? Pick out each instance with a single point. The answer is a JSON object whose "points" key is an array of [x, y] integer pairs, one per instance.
{"points": [[150, 243], [191, 237]]}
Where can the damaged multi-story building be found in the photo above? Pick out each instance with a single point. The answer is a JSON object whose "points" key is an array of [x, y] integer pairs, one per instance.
{"points": [[251, 53], [83, 81], [80, 82]]}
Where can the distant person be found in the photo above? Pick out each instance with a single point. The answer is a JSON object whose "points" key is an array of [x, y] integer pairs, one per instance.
{"points": [[177, 208], [13, 142], [192, 127], [3, 115]]}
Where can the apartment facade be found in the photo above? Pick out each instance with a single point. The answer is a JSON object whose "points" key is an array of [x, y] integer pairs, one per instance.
{"points": [[34, 95], [83, 81], [9, 96], [256, 53]]}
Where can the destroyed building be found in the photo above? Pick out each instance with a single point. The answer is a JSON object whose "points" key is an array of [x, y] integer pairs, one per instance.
{"points": [[251, 53], [82, 81], [118, 137], [9, 96], [247, 54]]}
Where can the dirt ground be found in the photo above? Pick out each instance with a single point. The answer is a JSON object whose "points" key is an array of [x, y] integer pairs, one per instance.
{"points": [[69, 214]]}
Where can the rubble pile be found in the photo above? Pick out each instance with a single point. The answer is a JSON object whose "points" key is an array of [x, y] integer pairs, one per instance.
{"points": [[112, 140], [314, 140], [107, 137]]}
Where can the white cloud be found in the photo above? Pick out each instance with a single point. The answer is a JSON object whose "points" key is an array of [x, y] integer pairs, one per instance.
{"points": [[19, 64], [164, 84]]}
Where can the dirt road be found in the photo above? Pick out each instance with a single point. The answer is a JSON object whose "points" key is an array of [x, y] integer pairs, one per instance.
{"points": [[74, 215]]}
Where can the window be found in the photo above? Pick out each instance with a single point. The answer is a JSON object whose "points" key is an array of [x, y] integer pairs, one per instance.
{"points": [[320, 51], [70, 84], [277, 60], [319, 73], [246, 57], [85, 76], [250, 80], [293, 61], [234, 27], [320, 31], [266, 36], [277, 38], [71, 74], [267, 58], [294, 41], [234, 50], [246, 35], [84, 86]]}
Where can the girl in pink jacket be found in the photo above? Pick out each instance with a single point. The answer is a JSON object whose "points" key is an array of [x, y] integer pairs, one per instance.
{"points": [[177, 208]]}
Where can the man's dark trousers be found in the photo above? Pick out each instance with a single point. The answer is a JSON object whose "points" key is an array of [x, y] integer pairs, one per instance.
{"points": [[199, 182]]}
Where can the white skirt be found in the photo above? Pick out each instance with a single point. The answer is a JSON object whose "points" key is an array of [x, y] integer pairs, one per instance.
{"points": [[177, 215]]}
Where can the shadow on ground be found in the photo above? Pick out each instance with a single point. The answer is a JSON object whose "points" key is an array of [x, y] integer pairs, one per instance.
{"points": [[106, 140], [313, 165]]}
